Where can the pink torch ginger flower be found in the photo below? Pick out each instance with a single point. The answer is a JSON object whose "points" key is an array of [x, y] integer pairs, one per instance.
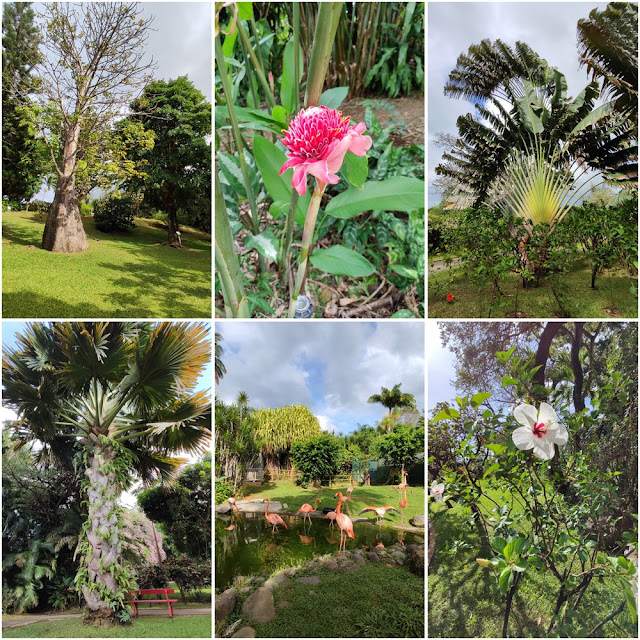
{"points": [[317, 141], [540, 430]]}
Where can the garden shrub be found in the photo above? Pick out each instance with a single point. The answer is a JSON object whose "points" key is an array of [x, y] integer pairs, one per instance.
{"points": [[152, 576], [317, 458], [190, 576], [114, 213], [223, 490], [40, 206], [443, 226], [86, 209]]}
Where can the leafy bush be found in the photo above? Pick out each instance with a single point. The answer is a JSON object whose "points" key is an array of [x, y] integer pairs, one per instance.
{"points": [[114, 214], [443, 226], [11, 205], [317, 458], [223, 491], [401, 447], [63, 593], [86, 209], [40, 206], [191, 577], [152, 576]]}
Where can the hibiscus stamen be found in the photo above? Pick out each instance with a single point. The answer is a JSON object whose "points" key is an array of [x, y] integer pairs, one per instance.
{"points": [[538, 429]]}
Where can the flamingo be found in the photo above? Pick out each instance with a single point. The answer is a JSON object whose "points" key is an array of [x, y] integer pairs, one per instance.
{"points": [[332, 515], [405, 484], [231, 527], [403, 503], [232, 502], [345, 524], [350, 489], [273, 518], [379, 511], [307, 509]]}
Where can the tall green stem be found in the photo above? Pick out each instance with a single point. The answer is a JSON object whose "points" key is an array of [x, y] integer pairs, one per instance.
{"points": [[256, 64], [307, 237], [326, 26], [296, 57], [227, 264]]}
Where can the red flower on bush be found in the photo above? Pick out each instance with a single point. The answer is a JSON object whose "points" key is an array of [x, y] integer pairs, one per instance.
{"points": [[317, 141], [449, 297]]}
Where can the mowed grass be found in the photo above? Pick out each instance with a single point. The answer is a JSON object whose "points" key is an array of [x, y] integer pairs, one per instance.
{"points": [[142, 627], [295, 496], [610, 299], [374, 601], [464, 601], [121, 275]]}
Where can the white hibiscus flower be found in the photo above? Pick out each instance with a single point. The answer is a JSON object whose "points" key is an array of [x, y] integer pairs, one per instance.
{"points": [[437, 491], [540, 430]]}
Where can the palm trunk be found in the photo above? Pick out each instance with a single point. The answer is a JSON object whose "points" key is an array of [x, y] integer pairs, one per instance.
{"points": [[63, 231], [104, 549]]}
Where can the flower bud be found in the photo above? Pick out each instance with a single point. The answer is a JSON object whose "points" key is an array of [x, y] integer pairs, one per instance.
{"points": [[483, 562]]}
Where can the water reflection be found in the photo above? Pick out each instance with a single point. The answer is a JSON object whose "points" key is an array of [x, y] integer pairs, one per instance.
{"points": [[250, 548]]}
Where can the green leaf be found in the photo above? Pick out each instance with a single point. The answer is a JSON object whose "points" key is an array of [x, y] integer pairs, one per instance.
{"points": [[507, 381], [333, 98], [520, 566], [498, 449], [288, 87], [498, 543], [394, 194], [446, 413], [405, 272], [278, 208], [270, 160], [355, 169], [280, 114], [245, 10], [265, 243], [631, 601], [339, 260], [490, 470], [403, 313], [506, 580], [479, 398], [230, 166]]}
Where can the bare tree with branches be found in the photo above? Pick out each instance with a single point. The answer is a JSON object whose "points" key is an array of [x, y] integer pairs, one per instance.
{"points": [[94, 65]]}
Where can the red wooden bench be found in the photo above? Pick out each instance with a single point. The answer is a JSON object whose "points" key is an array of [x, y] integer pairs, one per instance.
{"points": [[136, 599]]}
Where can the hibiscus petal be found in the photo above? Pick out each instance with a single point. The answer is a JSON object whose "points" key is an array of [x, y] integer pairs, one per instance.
{"points": [[547, 414], [523, 438], [543, 448], [526, 414], [559, 434]]}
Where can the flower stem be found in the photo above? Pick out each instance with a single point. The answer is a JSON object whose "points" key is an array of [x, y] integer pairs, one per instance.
{"points": [[307, 236]]}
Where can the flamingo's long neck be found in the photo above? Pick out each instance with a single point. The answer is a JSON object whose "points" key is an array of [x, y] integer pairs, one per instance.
{"points": [[315, 504], [339, 504], [266, 513]]}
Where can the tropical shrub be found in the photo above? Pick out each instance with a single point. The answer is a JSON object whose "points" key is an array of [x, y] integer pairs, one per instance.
{"points": [[223, 491], [191, 576], [114, 213], [317, 458]]}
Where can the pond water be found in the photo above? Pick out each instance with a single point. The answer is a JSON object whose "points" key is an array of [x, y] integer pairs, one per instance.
{"points": [[251, 548]]}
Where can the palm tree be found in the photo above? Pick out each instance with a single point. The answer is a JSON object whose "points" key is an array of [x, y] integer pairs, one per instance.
{"points": [[393, 398], [121, 397], [220, 369]]}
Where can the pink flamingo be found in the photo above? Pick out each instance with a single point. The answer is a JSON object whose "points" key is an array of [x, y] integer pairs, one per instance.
{"points": [[273, 518], [345, 524], [332, 515], [404, 485], [350, 489], [403, 503], [307, 509], [232, 502], [379, 511]]}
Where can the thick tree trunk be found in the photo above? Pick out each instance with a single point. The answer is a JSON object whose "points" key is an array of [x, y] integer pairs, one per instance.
{"points": [[172, 214], [63, 231], [103, 560]]}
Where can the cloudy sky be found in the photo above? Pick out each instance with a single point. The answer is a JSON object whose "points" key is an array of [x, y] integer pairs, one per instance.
{"points": [[549, 28], [441, 372], [331, 367]]}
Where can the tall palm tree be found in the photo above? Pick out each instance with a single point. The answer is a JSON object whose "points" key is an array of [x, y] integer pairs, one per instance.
{"points": [[393, 398], [121, 397]]}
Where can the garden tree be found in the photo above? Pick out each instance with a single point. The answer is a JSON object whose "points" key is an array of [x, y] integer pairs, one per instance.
{"points": [[124, 394], [236, 441], [318, 458], [179, 165], [401, 448], [400, 415], [184, 510], [22, 152], [219, 368], [444, 438], [279, 428], [393, 398], [94, 65], [42, 515], [363, 438]]}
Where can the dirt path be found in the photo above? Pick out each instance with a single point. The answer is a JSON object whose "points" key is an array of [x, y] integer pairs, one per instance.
{"points": [[48, 617]]}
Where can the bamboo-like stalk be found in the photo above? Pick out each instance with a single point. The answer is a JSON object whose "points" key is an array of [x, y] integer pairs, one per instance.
{"points": [[237, 136], [271, 103], [307, 237], [329, 14], [227, 264], [296, 57], [252, 86]]}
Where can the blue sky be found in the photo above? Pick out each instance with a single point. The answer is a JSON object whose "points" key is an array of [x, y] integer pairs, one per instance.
{"points": [[331, 367]]}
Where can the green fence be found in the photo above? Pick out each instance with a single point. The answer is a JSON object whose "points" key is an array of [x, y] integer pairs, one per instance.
{"points": [[381, 473]]}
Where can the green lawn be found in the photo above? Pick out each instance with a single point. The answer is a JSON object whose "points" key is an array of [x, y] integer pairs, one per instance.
{"points": [[143, 627], [611, 298], [121, 275], [377, 495], [375, 601], [465, 603]]}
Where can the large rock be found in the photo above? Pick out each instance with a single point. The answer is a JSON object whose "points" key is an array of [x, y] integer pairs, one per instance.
{"points": [[418, 521], [358, 559], [226, 603], [257, 506], [331, 564], [373, 557], [415, 561], [276, 580], [245, 632], [260, 606]]}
